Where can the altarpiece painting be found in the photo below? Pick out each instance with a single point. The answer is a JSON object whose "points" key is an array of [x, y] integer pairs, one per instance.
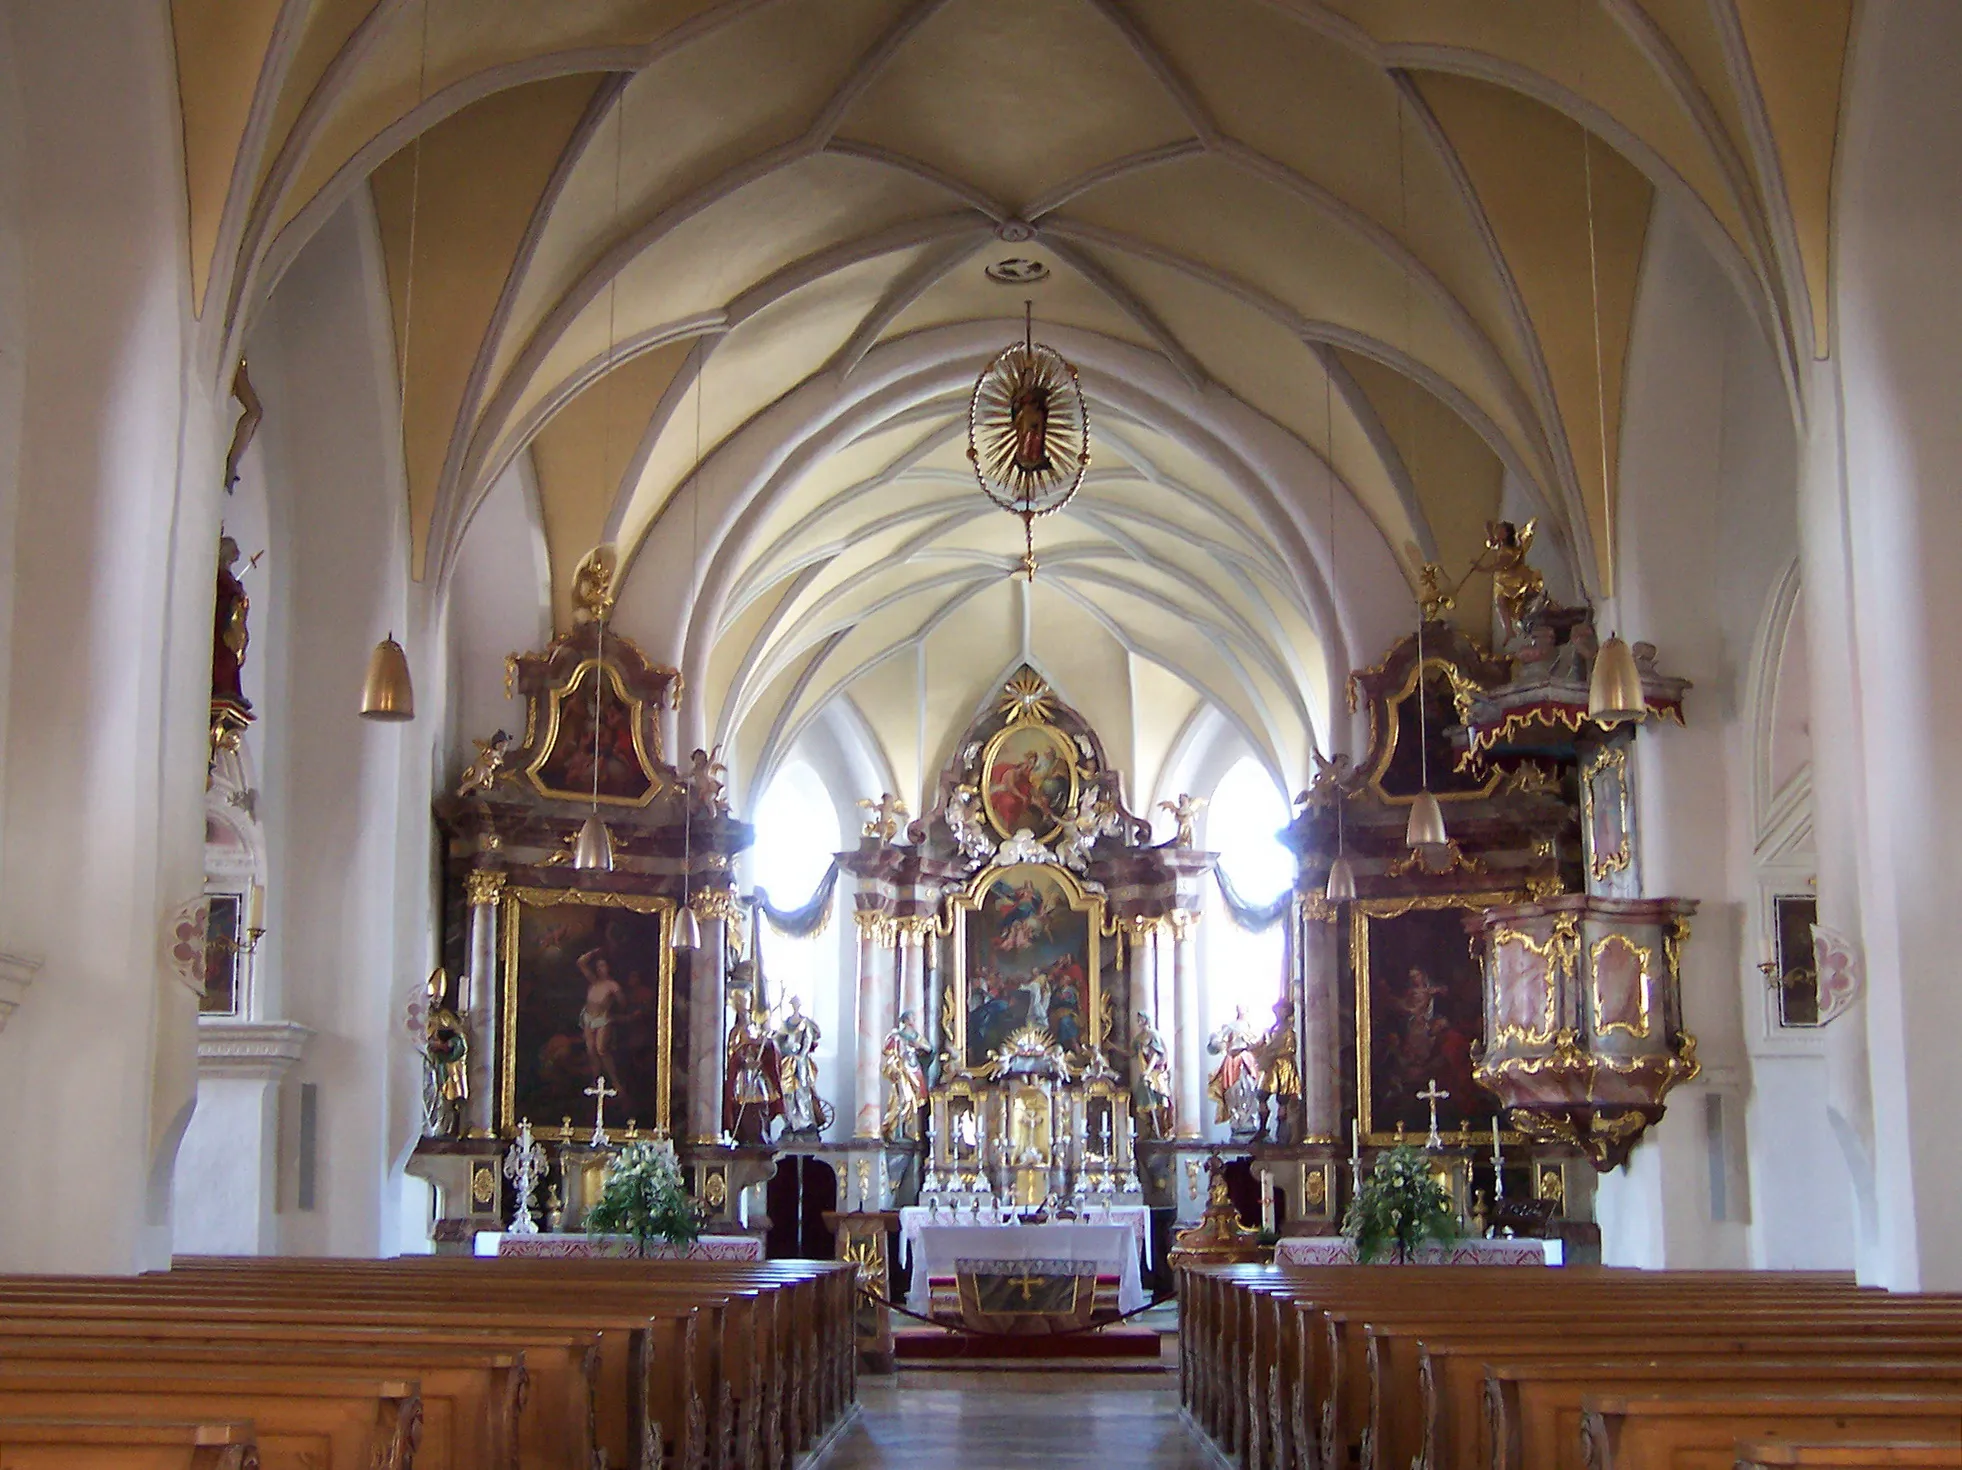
{"points": [[1027, 946], [588, 992]]}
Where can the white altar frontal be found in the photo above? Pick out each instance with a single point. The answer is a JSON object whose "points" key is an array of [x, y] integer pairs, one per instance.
{"points": [[932, 1243]]}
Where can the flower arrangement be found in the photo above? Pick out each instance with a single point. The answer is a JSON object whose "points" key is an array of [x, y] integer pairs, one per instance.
{"points": [[1399, 1208], [644, 1198]]}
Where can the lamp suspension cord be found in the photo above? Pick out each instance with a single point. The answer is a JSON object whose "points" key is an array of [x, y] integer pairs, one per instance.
{"points": [[1328, 476], [1600, 383], [1410, 402], [606, 434], [415, 209]]}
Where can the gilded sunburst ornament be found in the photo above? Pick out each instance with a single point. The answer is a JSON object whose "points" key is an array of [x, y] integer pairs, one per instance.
{"points": [[1028, 434]]}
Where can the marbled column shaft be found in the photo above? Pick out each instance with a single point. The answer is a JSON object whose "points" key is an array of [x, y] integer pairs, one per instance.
{"points": [[480, 1005], [1320, 1018], [912, 974], [1188, 1041], [707, 1028], [874, 1020]]}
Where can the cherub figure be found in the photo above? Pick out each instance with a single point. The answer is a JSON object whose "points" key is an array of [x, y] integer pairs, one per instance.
{"points": [[482, 773], [704, 783], [887, 817], [592, 586], [1185, 811], [1518, 590], [1331, 783]]}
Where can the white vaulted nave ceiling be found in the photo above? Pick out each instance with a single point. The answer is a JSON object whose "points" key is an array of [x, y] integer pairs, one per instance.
{"points": [[1320, 265]]}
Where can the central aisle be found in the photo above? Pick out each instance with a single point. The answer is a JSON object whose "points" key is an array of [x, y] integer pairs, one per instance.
{"points": [[997, 1421]]}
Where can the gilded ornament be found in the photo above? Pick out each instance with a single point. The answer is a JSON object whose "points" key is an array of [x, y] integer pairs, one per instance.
{"points": [[483, 886]]}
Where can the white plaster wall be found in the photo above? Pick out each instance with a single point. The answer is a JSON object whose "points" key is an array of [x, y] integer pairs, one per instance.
{"points": [[499, 604], [225, 1205], [347, 801], [1709, 527], [1899, 316], [102, 829]]}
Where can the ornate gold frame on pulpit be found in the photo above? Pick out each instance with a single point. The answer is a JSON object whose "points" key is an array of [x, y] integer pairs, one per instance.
{"points": [[964, 909], [1364, 916], [524, 907]]}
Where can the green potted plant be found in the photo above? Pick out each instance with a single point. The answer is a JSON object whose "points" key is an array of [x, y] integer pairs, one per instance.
{"points": [[1400, 1208], [643, 1197]]}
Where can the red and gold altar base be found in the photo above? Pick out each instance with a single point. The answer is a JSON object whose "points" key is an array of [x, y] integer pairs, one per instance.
{"points": [[1583, 1016]]}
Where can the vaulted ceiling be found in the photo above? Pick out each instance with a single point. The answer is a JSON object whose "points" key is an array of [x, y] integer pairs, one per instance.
{"points": [[622, 235]]}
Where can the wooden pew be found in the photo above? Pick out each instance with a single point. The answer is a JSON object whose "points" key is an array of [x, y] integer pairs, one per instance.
{"points": [[304, 1419], [1777, 1454], [1621, 1432], [126, 1444]]}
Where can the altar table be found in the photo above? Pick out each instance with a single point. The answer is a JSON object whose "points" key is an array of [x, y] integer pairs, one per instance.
{"points": [[1112, 1249], [1337, 1250], [915, 1218], [566, 1247]]}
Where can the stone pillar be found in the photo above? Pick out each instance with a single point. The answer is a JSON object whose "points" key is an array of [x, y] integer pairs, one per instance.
{"points": [[227, 1174], [1320, 958], [478, 997], [708, 1015], [1188, 1038], [1139, 935], [874, 1017]]}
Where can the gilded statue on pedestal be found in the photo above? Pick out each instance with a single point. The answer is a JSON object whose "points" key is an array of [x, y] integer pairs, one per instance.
{"points": [[902, 1064], [1151, 1078], [445, 1056], [1518, 590], [805, 1114], [1185, 813], [1235, 1085], [1280, 1076]]}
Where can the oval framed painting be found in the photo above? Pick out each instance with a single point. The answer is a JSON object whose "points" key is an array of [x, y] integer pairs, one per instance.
{"points": [[1029, 780]]}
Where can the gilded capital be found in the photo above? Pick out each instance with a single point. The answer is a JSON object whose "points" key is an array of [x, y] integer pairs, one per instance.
{"points": [[483, 886], [716, 903], [873, 924]]}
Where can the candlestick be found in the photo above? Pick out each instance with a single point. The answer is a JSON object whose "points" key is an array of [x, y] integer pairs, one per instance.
{"points": [[1267, 1202]]}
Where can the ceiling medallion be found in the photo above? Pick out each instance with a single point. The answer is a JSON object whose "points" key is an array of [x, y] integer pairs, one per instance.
{"points": [[1028, 433], [1018, 271]]}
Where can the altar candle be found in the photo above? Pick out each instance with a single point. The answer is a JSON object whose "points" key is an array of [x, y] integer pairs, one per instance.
{"points": [[255, 908], [1355, 1140], [1495, 1141], [1267, 1202]]}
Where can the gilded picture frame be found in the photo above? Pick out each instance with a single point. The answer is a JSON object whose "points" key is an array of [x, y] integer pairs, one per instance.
{"points": [[1029, 770], [1384, 740], [1607, 812], [546, 744], [1374, 939], [981, 925], [558, 1022]]}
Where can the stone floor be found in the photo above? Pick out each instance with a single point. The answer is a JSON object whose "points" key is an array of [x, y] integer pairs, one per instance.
{"points": [[1005, 1420]]}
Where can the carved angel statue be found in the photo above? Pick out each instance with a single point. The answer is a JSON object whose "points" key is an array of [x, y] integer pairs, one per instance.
{"points": [[1185, 811], [445, 1055], [1095, 818], [888, 814], [1332, 776], [963, 816], [704, 783], [1517, 589], [1023, 848], [482, 773]]}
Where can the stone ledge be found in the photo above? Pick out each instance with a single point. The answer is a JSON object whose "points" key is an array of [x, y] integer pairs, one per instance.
{"points": [[17, 972], [250, 1050]]}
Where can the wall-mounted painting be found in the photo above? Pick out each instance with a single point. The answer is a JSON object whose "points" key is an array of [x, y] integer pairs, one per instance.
{"points": [[588, 992], [1420, 1007], [1030, 780], [569, 754], [1026, 947]]}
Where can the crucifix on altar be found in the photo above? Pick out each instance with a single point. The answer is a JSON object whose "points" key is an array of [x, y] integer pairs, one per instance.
{"points": [[1433, 1094], [600, 1092]]}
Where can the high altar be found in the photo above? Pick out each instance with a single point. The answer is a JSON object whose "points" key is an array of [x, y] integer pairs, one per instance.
{"points": [[1028, 987]]}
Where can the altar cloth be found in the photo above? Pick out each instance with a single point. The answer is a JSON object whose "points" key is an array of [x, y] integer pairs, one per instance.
{"points": [[611, 1247], [915, 1218], [1337, 1250], [1112, 1249]]}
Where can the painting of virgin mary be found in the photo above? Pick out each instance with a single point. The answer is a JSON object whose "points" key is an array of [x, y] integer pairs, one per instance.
{"points": [[1030, 782]]}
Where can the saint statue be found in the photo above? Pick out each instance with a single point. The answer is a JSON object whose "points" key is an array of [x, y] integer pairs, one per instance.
{"points": [[752, 1088], [902, 1065], [229, 637], [445, 1055], [1151, 1078], [1280, 1076], [1518, 590], [804, 1112], [1185, 812], [1235, 1086]]}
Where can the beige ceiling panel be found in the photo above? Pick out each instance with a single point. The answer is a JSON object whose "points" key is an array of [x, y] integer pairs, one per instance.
{"points": [[707, 261], [1578, 46], [1799, 55], [967, 657], [1016, 98], [221, 49], [752, 367], [752, 733], [1690, 28], [749, 86], [1526, 162], [479, 181], [1088, 667], [1459, 480], [1162, 704], [581, 455], [464, 41], [1331, 116], [888, 696], [734, 643], [329, 25], [967, 294]]}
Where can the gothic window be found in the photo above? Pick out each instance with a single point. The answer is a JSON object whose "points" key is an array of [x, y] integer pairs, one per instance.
{"points": [[1242, 822]]}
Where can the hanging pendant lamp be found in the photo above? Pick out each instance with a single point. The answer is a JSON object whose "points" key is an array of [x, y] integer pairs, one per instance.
{"points": [[687, 930], [1426, 827], [1614, 689], [1341, 879], [388, 693]]}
